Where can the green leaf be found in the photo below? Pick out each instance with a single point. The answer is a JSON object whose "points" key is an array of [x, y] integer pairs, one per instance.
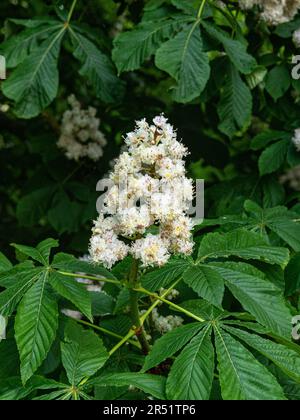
{"points": [[235, 50], [150, 384], [83, 353], [191, 375], [278, 81], [132, 48], [203, 309], [288, 230], [162, 277], [41, 253], [34, 83], [17, 48], [235, 106], [242, 377], [283, 357], [184, 59], [244, 244], [292, 275], [75, 292], [278, 219], [266, 137], [35, 326], [257, 295], [273, 157], [206, 282], [102, 303], [10, 298], [68, 263], [170, 343], [97, 68], [5, 264]]}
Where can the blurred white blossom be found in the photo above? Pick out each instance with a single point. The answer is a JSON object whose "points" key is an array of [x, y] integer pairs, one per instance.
{"points": [[80, 134], [274, 12], [296, 139]]}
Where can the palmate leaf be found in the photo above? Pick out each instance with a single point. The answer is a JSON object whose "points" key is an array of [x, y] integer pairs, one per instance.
{"points": [[83, 353], [206, 282], [242, 377], [184, 59], [235, 106], [278, 219], [150, 384], [244, 244], [35, 326], [75, 292], [170, 343], [17, 48], [132, 48], [257, 295], [33, 85], [191, 375], [97, 68], [283, 357]]}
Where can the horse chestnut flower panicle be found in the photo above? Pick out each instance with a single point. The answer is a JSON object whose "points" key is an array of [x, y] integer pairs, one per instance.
{"points": [[149, 189]]}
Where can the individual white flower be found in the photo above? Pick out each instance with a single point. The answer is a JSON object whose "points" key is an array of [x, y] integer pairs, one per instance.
{"points": [[149, 189], [134, 220], [296, 139], [80, 135], [169, 168], [107, 249], [151, 250]]}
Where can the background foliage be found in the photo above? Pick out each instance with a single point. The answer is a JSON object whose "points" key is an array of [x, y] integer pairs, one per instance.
{"points": [[223, 78]]}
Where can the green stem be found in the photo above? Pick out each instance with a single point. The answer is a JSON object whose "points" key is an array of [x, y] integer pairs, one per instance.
{"points": [[105, 331], [127, 337], [134, 308], [201, 8], [143, 318], [168, 302], [83, 276], [71, 11]]}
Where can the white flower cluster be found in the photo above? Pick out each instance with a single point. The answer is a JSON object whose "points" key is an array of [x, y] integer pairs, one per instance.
{"points": [[149, 189], [296, 139], [274, 12], [292, 178], [80, 134]]}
